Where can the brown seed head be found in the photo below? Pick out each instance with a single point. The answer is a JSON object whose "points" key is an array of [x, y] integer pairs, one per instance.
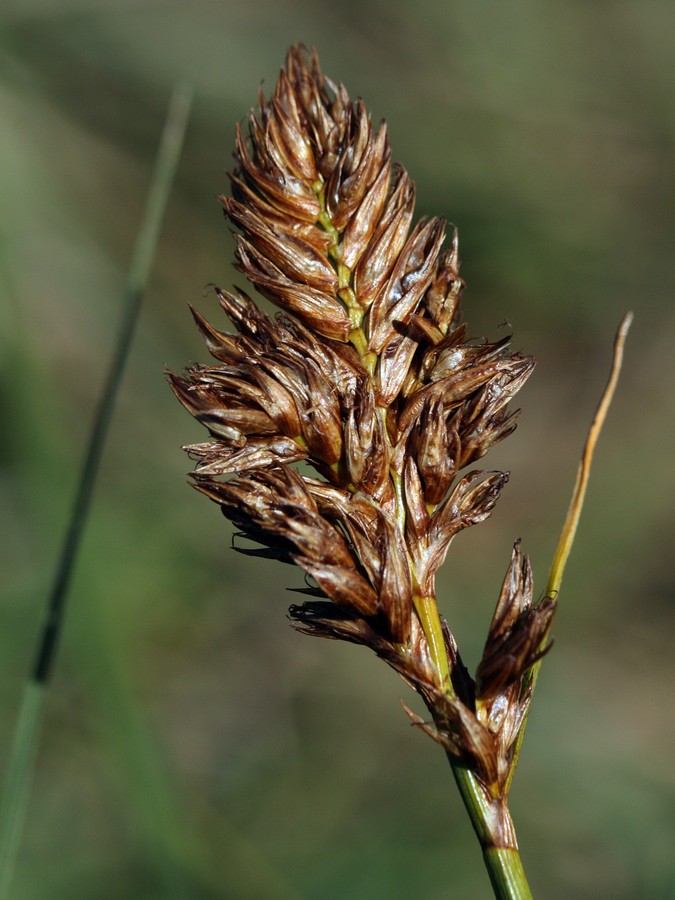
{"points": [[367, 376]]}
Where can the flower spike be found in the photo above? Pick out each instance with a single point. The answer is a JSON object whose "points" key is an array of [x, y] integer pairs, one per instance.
{"points": [[368, 378]]}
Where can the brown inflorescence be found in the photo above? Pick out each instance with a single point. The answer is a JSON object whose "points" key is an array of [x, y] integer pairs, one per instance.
{"points": [[368, 376]]}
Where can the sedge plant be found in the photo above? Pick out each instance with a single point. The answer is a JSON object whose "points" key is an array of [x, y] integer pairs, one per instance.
{"points": [[368, 378]]}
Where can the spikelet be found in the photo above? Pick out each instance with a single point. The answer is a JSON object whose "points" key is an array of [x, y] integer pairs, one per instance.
{"points": [[367, 375]]}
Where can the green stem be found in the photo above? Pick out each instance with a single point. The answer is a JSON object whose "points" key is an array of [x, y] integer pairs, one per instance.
{"points": [[489, 815], [18, 778], [427, 612], [494, 829], [506, 873], [19, 770]]}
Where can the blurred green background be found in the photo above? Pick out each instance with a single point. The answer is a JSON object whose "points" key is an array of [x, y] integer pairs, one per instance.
{"points": [[194, 745]]}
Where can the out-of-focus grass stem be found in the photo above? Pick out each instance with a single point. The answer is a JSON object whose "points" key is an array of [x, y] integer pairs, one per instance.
{"points": [[19, 770]]}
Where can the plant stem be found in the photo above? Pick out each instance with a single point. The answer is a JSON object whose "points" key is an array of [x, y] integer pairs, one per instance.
{"points": [[19, 770], [427, 611], [18, 777], [496, 834], [506, 873], [489, 814]]}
